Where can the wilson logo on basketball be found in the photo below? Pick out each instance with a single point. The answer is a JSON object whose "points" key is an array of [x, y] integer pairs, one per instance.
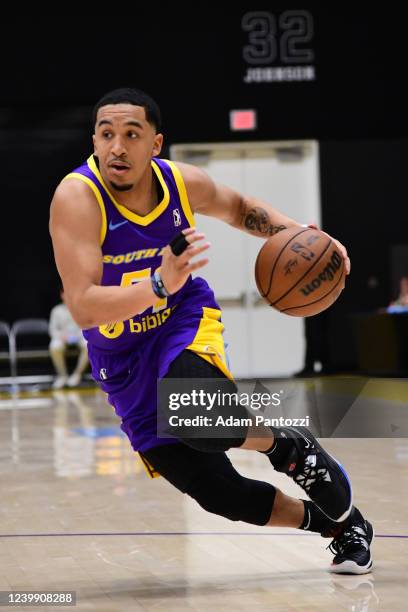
{"points": [[327, 274]]}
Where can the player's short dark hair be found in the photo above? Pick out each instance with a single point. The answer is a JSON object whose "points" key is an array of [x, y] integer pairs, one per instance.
{"points": [[137, 97]]}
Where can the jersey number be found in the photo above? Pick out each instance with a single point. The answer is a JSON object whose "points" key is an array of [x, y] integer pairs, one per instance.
{"points": [[130, 278], [113, 330]]}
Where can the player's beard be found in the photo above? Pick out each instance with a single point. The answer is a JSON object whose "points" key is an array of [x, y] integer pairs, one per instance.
{"points": [[126, 187]]}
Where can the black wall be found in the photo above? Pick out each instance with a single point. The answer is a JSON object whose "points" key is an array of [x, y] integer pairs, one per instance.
{"points": [[365, 193], [192, 62]]}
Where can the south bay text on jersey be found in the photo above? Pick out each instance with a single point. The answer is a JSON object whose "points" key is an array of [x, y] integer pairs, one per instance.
{"points": [[129, 257]]}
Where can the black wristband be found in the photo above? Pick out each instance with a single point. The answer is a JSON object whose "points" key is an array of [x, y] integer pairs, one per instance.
{"points": [[178, 244]]}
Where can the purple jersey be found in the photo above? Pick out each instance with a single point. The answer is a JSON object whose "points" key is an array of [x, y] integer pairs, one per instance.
{"points": [[127, 357]]}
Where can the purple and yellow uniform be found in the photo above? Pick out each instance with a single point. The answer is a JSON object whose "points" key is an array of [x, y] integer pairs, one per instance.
{"points": [[127, 357]]}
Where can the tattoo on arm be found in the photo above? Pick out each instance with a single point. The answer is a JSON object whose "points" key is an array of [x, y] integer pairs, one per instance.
{"points": [[257, 220]]}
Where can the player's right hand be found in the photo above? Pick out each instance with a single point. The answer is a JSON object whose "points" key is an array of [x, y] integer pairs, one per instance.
{"points": [[341, 248], [175, 269]]}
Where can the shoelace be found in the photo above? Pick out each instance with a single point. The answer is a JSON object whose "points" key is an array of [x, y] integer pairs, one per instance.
{"points": [[310, 475], [351, 535]]}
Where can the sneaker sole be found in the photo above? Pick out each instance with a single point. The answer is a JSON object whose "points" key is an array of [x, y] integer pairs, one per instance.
{"points": [[351, 567], [347, 512]]}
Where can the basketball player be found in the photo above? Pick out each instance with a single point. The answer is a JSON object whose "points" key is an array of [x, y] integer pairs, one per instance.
{"points": [[125, 245]]}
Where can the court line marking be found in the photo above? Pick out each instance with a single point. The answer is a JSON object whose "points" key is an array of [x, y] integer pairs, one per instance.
{"points": [[174, 533]]}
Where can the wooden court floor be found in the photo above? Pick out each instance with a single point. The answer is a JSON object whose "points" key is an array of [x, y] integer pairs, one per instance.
{"points": [[79, 513]]}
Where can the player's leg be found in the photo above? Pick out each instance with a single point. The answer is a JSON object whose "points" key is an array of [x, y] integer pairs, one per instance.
{"points": [[212, 480], [294, 451], [215, 484], [57, 353]]}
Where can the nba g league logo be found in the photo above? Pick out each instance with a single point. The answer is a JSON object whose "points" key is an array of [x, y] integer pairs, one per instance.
{"points": [[176, 217], [278, 48]]}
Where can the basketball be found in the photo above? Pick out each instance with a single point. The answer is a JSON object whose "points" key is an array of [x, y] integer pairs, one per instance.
{"points": [[300, 271]]}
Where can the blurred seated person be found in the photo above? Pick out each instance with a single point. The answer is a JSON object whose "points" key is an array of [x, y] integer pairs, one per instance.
{"points": [[65, 332], [401, 303]]}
